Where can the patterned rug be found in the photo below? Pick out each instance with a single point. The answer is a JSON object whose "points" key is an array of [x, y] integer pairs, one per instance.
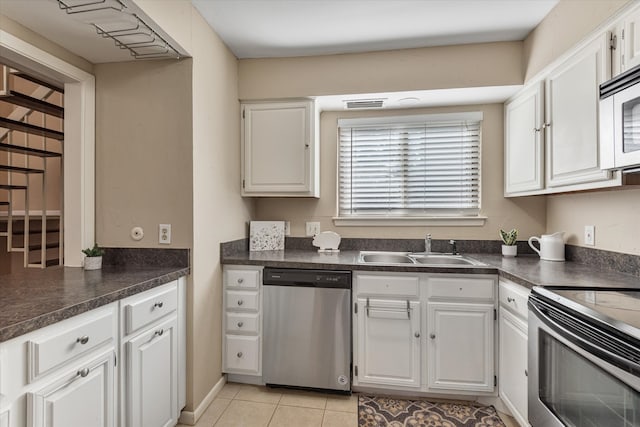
{"points": [[379, 411]]}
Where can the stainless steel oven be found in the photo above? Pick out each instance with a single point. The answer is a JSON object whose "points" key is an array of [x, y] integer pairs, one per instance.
{"points": [[584, 358]]}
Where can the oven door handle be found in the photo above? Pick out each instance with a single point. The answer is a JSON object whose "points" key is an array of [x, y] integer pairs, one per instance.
{"points": [[604, 354]]}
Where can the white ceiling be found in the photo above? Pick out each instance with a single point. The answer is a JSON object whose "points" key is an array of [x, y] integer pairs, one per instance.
{"points": [[282, 28]]}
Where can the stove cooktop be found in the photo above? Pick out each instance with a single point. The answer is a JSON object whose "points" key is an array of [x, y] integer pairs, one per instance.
{"points": [[619, 309]]}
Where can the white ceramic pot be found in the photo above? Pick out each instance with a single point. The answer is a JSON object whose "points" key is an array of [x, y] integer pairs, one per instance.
{"points": [[509, 251], [93, 263]]}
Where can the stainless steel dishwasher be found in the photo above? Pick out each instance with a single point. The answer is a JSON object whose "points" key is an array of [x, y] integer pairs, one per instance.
{"points": [[307, 328]]}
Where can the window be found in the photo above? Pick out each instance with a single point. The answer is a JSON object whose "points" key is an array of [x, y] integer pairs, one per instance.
{"points": [[410, 166]]}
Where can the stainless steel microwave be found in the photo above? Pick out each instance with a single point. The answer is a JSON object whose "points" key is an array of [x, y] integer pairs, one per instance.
{"points": [[620, 121]]}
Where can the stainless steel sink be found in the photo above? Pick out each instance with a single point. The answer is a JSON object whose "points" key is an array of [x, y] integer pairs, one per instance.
{"points": [[385, 258], [409, 258], [444, 259]]}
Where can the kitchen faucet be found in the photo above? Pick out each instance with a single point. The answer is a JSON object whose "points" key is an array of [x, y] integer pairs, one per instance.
{"points": [[427, 244], [454, 249]]}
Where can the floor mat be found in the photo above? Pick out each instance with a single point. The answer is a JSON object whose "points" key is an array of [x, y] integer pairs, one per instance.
{"points": [[380, 411]]}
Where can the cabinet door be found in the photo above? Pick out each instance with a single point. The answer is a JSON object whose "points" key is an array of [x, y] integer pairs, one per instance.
{"points": [[513, 365], [279, 149], [151, 378], [631, 41], [388, 343], [84, 398], [572, 143], [460, 346], [523, 159]]}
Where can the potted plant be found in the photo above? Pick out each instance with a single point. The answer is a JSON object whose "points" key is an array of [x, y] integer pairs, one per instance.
{"points": [[93, 259], [509, 239]]}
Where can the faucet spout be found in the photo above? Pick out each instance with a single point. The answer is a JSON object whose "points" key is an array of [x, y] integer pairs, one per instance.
{"points": [[427, 244]]}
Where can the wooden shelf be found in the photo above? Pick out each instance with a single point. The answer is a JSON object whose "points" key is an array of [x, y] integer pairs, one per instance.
{"points": [[28, 151], [31, 129], [26, 101]]}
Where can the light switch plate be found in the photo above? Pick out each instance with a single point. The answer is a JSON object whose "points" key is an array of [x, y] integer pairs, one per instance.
{"points": [[313, 228], [590, 235]]}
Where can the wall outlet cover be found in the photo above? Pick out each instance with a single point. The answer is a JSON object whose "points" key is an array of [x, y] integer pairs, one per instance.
{"points": [[164, 234], [312, 228], [590, 235]]}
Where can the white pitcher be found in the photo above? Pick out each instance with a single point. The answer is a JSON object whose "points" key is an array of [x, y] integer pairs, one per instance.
{"points": [[551, 246]]}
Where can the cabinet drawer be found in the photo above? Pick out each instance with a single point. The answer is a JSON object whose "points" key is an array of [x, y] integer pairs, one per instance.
{"points": [[242, 322], [85, 333], [150, 306], [242, 354], [458, 287], [241, 300], [514, 298], [399, 286], [242, 278]]}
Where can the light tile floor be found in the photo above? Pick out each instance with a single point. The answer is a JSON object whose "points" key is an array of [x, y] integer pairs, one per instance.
{"points": [[241, 405]]}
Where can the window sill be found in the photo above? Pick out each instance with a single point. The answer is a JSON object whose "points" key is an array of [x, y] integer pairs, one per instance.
{"points": [[441, 221]]}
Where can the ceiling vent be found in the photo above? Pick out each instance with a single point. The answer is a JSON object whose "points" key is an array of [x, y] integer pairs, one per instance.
{"points": [[359, 104]]}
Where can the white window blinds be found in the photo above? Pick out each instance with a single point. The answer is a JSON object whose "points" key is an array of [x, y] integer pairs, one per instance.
{"points": [[408, 167]]}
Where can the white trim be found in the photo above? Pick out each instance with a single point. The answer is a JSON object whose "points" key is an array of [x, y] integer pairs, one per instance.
{"points": [[192, 417], [79, 151], [418, 118], [446, 221]]}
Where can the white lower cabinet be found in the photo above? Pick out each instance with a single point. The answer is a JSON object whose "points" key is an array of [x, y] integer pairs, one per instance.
{"points": [[513, 349], [83, 372], [388, 342], [83, 398], [151, 376], [424, 332], [460, 346]]}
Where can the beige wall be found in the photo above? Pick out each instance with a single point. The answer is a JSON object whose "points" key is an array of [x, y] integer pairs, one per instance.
{"points": [[526, 214], [43, 43], [614, 212], [219, 214], [143, 152], [488, 64]]}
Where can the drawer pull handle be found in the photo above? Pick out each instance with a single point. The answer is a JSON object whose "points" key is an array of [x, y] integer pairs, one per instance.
{"points": [[509, 299], [158, 333], [84, 372], [83, 340], [240, 324], [239, 354], [432, 336], [240, 302], [158, 305], [240, 280], [526, 373]]}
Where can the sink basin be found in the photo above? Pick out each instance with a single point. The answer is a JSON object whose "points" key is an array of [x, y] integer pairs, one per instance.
{"points": [[444, 260], [385, 258], [408, 258]]}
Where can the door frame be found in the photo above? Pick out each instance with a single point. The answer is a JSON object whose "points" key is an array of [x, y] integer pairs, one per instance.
{"points": [[78, 205]]}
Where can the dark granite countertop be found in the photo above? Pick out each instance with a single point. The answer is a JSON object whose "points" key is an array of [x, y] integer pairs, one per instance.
{"points": [[527, 270], [32, 299]]}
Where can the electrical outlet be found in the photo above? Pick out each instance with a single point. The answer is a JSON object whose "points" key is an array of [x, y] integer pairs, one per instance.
{"points": [[313, 228], [287, 228], [164, 234], [590, 235]]}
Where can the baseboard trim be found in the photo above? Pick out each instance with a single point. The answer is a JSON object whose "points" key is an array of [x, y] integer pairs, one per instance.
{"points": [[192, 417]]}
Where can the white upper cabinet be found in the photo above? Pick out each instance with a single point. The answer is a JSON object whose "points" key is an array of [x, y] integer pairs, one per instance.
{"points": [[572, 149], [524, 117], [631, 41], [280, 149]]}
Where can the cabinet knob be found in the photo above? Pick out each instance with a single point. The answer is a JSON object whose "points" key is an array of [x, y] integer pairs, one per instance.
{"points": [[240, 324], [432, 336], [240, 280], [83, 339], [509, 299], [83, 372], [240, 302], [537, 129], [417, 335], [158, 333], [239, 354], [526, 373], [158, 305]]}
